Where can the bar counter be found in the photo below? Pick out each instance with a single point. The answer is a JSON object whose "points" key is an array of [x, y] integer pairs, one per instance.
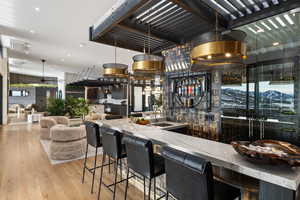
{"points": [[284, 179]]}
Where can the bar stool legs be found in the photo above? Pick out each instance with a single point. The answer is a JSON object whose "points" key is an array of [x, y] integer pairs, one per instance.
{"points": [[117, 163], [101, 177], [85, 159], [94, 171], [144, 183], [116, 177]]}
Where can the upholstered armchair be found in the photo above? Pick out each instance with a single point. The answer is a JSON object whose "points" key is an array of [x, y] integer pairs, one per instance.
{"points": [[46, 123], [67, 142]]}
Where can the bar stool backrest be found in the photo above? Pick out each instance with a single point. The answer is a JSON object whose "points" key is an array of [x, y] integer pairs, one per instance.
{"points": [[188, 177], [112, 142], [139, 155], [93, 134]]}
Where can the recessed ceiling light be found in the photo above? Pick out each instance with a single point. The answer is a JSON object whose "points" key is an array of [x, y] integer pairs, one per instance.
{"points": [[209, 57], [81, 45], [275, 43], [228, 55], [288, 18], [37, 9], [32, 31]]}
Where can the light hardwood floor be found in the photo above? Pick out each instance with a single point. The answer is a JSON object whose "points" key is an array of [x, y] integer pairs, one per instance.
{"points": [[27, 174]]}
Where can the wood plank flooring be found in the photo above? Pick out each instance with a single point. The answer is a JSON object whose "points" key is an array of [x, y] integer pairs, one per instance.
{"points": [[27, 174]]}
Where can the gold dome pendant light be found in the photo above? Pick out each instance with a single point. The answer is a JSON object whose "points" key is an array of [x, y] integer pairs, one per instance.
{"points": [[216, 49], [147, 64], [115, 69]]}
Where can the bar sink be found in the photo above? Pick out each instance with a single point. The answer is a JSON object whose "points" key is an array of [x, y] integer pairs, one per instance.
{"points": [[162, 124]]}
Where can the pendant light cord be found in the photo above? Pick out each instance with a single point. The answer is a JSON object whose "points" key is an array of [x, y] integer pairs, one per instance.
{"points": [[217, 21], [149, 41], [115, 51]]}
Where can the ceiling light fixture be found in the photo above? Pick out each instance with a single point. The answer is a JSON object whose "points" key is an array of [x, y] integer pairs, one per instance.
{"points": [[37, 9], [216, 49], [288, 18], [32, 31], [280, 21], [275, 43], [81, 45], [228, 55], [273, 24], [115, 69], [147, 64]]}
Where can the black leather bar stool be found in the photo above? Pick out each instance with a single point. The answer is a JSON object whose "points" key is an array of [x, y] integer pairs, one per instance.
{"points": [[189, 177], [94, 139], [142, 160], [113, 147]]}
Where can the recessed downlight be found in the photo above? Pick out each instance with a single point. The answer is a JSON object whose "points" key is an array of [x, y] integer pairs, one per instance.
{"points": [[32, 31], [275, 43], [81, 45], [37, 9], [227, 55], [209, 57]]}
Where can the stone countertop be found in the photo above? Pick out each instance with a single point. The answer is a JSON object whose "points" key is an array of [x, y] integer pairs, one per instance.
{"points": [[219, 154]]}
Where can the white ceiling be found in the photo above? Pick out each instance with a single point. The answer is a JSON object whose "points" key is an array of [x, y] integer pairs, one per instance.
{"points": [[55, 33]]}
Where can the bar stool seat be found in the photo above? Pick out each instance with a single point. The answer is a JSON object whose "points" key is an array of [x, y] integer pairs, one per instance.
{"points": [[189, 177], [113, 147], [142, 160]]}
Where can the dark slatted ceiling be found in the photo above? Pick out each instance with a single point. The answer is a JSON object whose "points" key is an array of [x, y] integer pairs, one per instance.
{"points": [[175, 22]]}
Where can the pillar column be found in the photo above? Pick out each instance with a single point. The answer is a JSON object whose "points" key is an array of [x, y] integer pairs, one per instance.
{"points": [[4, 85]]}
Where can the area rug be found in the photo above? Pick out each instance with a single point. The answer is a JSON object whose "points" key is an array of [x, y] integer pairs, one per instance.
{"points": [[46, 146]]}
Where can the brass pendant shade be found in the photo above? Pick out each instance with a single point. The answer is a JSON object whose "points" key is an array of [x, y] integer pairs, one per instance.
{"points": [[115, 70], [227, 50], [147, 64]]}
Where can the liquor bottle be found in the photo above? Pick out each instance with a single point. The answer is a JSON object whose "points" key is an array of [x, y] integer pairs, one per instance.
{"points": [[199, 88], [179, 90], [192, 88], [182, 88], [186, 88], [195, 88]]}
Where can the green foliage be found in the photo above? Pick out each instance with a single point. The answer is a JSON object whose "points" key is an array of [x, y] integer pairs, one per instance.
{"points": [[76, 107], [56, 107]]}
